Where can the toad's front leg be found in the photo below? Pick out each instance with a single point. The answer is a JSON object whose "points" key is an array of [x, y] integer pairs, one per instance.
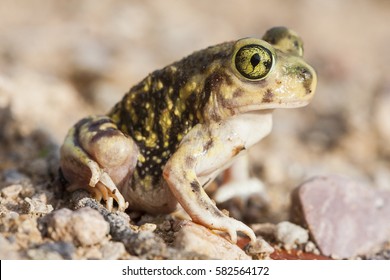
{"points": [[98, 157], [202, 154]]}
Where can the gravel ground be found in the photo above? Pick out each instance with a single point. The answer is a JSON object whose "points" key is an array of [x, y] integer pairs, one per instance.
{"points": [[63, 60]]}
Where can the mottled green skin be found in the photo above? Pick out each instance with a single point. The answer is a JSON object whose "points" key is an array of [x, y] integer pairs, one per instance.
{"points": [[159, 111], [177, 94]]}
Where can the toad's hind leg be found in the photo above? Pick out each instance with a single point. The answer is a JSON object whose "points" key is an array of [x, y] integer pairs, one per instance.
{"points": [[237, 182], [98, 157]]}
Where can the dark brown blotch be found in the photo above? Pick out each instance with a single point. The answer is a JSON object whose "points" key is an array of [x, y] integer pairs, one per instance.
{"points": [[189, 162], [203, 203], [195, 186], [107, 133], [96, 125], [213, 83], [268, 96], [208, 145], [308, 78], [82, 122], [238, 93]]}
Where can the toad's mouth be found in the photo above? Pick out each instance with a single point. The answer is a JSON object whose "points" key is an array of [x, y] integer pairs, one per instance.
{"points": [[270, 106]]}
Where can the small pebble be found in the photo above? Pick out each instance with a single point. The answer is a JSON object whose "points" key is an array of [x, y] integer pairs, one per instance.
{"points": [[165, 226], [261, 249], [12, 191], [35, 206], [310, 247], [84, 226], [113, 250], [148, 227], [89, 253], [291, 235], [52, 251], [8, 251], [11, 215]]}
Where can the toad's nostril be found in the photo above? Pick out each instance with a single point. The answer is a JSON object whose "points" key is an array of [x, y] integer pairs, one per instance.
{"points": [[307, 78]]}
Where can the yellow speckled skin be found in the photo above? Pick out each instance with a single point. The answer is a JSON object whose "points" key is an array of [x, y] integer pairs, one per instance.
{"points": [[140, 148]]}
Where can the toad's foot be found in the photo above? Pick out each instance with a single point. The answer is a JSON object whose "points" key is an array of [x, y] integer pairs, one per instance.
{"points": [[97, 157], [230, 226], [104, 188]]}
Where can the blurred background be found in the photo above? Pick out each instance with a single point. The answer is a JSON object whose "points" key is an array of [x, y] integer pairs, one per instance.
{"points": [[63, 60]]}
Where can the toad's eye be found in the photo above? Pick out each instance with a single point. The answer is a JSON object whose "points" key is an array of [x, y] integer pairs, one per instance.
{"points": [[254, 62]]}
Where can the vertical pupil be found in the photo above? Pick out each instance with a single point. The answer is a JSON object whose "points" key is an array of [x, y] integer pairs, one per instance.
{"points": [[255, 59]]}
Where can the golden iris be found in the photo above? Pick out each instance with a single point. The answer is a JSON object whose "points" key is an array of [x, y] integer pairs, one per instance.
{"points": [[253, 61]]}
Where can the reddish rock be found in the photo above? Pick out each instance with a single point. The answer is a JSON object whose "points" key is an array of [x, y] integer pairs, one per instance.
{"points": [[345, 218], [282, 254]]}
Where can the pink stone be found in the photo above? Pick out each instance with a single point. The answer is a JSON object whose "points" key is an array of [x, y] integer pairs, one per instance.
{"points": [[345, 218]]}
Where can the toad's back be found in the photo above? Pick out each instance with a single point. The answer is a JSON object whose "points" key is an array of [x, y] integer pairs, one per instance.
{"points": [[159, 111]]}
